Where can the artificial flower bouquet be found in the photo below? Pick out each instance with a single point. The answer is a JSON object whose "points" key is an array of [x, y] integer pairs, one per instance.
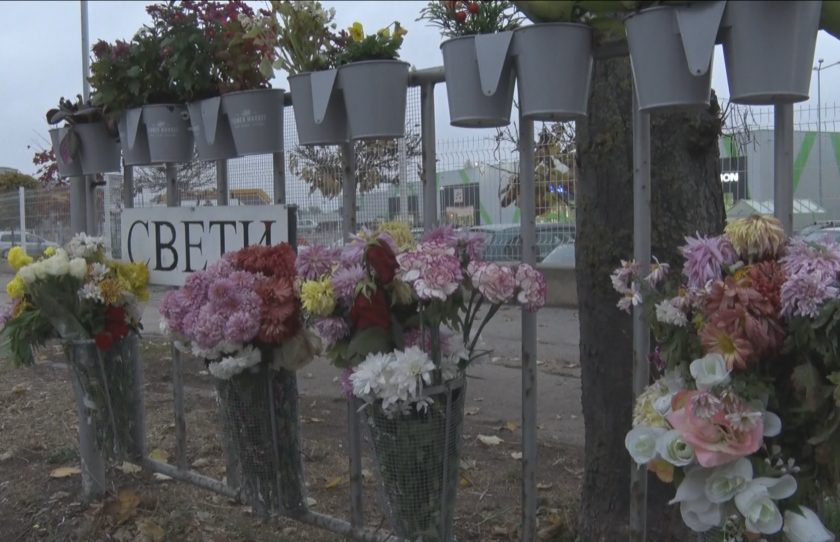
{"points": [[745, 415], [466, 18], [400, 319], [241, 315], [93, 305]]}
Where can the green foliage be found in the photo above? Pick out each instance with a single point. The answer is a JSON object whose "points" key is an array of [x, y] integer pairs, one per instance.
{"points": [[12, 180], [383, 45], [72, 113], [470, 18], [305, 37]]}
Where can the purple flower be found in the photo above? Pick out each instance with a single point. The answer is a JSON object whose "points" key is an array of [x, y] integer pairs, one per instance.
{"points": [[223, 295], [474, 244], [209, 327], [442, 234], [808, 257], [497, 283], [346, 384], [243, 279], [6, 314], [412, 265], [656, 359], [383, 237], [332, 329], [344, 282], [315, 261], [242, 326], [353, 253], [412, 338], [440, 279], [705, 258], [532, 288], [220, 269], [803, 294]]}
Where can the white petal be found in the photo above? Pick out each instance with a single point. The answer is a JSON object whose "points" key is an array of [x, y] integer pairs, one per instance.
{"points": [[744, 499], [806, 527], [641, 443], [772, 424], [693, 486], [778, 488], [700, 515]]}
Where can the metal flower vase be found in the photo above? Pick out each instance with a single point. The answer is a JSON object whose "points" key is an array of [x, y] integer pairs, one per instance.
{"points": [[68, 166], [671, 53], [375, 95], [110, 386], [769, 49], [480, 80], [256, 120], [260, 417], [169, 134], [133, 140], [417, 457], [99, 150], [319, 111], [553, 68], [211, 130]]}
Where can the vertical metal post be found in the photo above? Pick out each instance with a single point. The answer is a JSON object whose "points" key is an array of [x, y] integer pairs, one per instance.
{"points": [[819, 128], [528, 208], [222, 186], [278, 168], [429, 153], [106, 217], [128, 188], [641, 329], [78, 205], [783, 166], [92, 220], [403, 181], [354, 438], [173, 199], [22, 210]]}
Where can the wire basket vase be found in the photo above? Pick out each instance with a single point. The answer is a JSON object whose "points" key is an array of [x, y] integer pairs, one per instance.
{"points": [[260, 416], [417, 457], [109, 386]]}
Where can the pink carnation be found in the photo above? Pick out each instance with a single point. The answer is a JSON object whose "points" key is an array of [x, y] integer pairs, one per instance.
{"points": [[497, 283], [412, 265], [532, 288], [440, 278]]}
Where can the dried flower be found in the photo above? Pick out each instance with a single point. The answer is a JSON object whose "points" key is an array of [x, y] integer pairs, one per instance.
{"points": [[756, 237]]}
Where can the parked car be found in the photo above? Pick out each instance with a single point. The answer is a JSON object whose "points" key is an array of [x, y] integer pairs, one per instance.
{"points": [[504, 241], [820, 234], [306, 225], [35, 244], [561, 255]]}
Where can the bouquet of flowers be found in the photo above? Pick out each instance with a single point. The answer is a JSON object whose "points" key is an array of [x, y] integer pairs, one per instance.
{"points": [[745, 414], [92, 304], [456, 18], [241, 315], [401, 319]]}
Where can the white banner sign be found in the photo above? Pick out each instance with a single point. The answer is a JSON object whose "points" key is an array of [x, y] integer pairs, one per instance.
{"points": [[177, 241]]}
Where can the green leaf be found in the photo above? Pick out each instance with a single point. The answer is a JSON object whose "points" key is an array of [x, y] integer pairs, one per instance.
{"points": [[827, 431], [133, 72], [602, 7], [373, 340], [806, 378], [605, 24], [397, 333]]}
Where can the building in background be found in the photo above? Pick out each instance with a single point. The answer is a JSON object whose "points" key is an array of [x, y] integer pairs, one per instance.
{"points": [[8, 170]]}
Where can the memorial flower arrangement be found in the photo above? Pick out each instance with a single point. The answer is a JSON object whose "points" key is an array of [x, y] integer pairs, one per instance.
{"points": [[744, 416], [457, 19], [72, 293]]}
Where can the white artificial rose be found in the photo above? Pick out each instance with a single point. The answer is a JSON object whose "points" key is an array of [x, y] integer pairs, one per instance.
{"points": [[756, 502], [674, 449], [40, 269], [27, 273], [772, 423], [727, 480], [663, 404], [78, 268], [805, 527], [641, 443], [698, 513], [57, 266], [709, 371]]}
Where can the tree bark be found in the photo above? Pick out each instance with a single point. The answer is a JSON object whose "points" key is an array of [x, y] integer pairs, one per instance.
{"points": [[686, 197]]}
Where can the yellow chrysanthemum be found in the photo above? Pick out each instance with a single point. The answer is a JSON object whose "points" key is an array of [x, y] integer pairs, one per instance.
{"points": [[318, 297], [357, 32], [49, 251], [19, 308], [743, 272], [16, 288], [699, 321], [18, 258], [111, 291], [134, 278], [644, 412], [756, 236], [399, 232]]}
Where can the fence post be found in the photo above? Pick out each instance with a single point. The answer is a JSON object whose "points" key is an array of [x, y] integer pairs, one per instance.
{"points": [[427, 130], [22, 207], [106, 215]]}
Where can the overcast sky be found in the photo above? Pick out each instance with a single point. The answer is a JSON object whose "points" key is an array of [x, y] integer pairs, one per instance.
{"points": [[41, 60]]}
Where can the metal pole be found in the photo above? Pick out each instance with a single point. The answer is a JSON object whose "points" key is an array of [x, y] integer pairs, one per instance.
{"points": [[403, 181], [22, 211], [819, 128], [783, 166], [528, 208], [641, 329], [427, 127], [354, 439], [222, 186], [128, 188], [278, 167], [92, 218]]}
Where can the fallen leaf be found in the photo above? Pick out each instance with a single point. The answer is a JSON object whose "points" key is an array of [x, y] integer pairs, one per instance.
{"points": [[558, 417], [516, 455], [203, 373], [309, 376], [554, 519], [158, 455], [201, 462], [540, 426], [468, 464], [123, 506], [58, 495], [472, 411], [129, 468], [161, 477], [334, 482], [366, 473], [539, 362], [313, 404], [544, 486], [64, 472], [511, 426], [152, 531], [6, 456], [490, 441], [20, 388], [478, 399], [464, 481], [573, 417], [311, 502]]}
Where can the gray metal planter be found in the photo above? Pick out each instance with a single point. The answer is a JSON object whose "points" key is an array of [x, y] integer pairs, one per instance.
{"points": [[169, 134], [320, 116], [671, 50], [769, 50], [99, 150], [133, 140], [211, 130], [375, 95], [256, 120], [480, 80], [68, 166], [553, 69]]}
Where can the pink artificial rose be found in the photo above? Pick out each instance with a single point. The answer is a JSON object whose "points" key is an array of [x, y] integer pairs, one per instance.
{"points": [[715, 437]]}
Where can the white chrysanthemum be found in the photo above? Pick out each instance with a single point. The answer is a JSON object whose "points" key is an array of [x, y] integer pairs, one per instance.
{"points": [[371, 376], [98, 271], [78, 268], [83, 245], [28, 273], [667, 313], [90, 292], [57, 265], [231, 366], [411, 369]]}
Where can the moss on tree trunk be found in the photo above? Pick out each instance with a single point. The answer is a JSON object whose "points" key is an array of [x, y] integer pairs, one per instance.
{"points": [[686, 197]]}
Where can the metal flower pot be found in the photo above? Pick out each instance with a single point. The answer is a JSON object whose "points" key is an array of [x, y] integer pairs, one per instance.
{"points": [[480, 80], [211, 130], [68, 166], [99, 150], [133, 139], [168, 132], [671, 51], [319, 111], [256, 120], [553, 69], [769, 49], [375, 95]]}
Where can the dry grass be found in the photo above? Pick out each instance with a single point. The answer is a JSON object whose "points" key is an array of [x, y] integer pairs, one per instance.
{"points": [[38, 433]]}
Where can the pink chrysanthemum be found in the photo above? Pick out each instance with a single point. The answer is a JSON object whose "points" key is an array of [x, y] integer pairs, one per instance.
{"points": [[242, 326], [412, 338], [805, 293], [705, 258], [353, 253], [346, 383], [807, 257], [223, 295], [532, 288], [474, 244], [332, 329], [445, 235], [344, 282], [316, 261]]}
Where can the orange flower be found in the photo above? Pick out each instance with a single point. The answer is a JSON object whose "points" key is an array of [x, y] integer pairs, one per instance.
{"points": [[734, 348]]}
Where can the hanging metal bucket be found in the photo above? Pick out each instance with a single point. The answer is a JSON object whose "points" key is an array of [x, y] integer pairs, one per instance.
{"points": [[99, 150], [417, 457], [72, 166], [260, 414], [375, 96], [111, 385], [256, 120]]}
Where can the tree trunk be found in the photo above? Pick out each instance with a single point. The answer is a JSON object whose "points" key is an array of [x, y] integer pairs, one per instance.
{"points": [[686, 197]]}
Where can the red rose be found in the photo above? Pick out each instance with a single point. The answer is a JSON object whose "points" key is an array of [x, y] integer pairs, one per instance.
{"points": [[383, 261], [116, 314], [118, 330], [103, 341], [372, 311]]}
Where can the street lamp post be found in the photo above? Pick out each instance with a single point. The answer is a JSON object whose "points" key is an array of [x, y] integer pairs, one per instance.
{"points": [[819, 68]]}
